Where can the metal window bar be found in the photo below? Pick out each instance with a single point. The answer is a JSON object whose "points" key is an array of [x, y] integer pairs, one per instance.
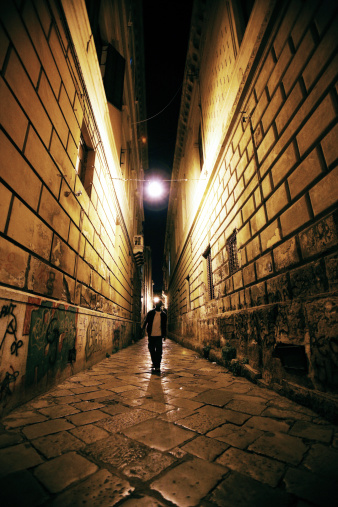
{"points": [[231, 246], [209, 277]]}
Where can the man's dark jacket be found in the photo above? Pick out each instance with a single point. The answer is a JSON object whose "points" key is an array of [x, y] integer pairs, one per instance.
{"points": [[150, 319]]}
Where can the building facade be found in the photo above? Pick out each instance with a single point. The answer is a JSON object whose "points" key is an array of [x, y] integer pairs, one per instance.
{"points": [[251, 239], [73, 148]]}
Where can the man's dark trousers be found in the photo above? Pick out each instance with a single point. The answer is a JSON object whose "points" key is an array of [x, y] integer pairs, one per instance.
{"points": [[155, 349]]}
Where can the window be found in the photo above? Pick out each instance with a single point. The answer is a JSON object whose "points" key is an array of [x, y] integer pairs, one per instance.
{"points": [[93, 10], [208, 273], [187, 293], [247, 6], [81, 161], [200, 147], [231, 246], [113, 75], [241, 13], [85, 162]]}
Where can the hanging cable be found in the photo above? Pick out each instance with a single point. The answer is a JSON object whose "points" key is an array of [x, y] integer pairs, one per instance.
{"points": [[182, 179], [157, 114]]}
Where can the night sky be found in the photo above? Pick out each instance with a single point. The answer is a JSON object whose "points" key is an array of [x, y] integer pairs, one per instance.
{"points": [[166, 32]]}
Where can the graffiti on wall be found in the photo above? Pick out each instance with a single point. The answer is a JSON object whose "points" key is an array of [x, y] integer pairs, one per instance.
{"points": [[52, 335], [10, 328], [10, 378], [12, 347], [103, 335], [94, 338]]}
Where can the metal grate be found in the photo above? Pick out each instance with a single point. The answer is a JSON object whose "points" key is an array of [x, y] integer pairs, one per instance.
{"points": [[231, 246]]}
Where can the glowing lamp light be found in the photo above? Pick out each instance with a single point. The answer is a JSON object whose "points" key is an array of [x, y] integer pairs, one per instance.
{"points": [[155, 189], [156, 299]]}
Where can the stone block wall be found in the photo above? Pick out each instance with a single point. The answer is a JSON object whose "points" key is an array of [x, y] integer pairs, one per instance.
{"points": [[44, 342], [271, 176], [65, 241]]}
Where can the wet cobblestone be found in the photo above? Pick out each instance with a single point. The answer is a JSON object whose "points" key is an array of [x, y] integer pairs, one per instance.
{"points": [[193, 435]]}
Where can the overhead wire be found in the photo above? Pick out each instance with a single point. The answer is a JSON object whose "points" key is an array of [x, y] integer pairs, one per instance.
{"points": [[157, 114]]}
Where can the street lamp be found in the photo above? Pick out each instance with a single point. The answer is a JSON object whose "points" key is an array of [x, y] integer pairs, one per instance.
{"points": [[155, 188]]}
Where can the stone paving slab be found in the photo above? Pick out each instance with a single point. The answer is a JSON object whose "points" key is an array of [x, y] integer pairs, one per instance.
{"points": [[322, 460], [54, 445], [158, 434], [186, 484], [102, 489], [18, 419], [125, 419], [62, 471], [280, 446], [149, 466], [56, 412], [237, 436], [10, 438], [267, 424], [311, 431], [18, 457], [217, 397], [83, 406], [145, 501], [117, 450], [205, 448], [193, 435], [260, 468], [87, 417], [46, 428], [21, 485], [242, 491], [89, 433]]}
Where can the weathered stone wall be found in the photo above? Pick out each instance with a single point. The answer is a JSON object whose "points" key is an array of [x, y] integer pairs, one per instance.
{"points": [[65, 240], [270, 171], [43, 342]]}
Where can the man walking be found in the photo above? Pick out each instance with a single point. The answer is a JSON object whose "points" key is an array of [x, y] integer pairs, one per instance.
{"points": [[156, 324]]}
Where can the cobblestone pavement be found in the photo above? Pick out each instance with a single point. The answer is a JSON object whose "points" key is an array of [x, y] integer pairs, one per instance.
{"points": [[117, 434]]}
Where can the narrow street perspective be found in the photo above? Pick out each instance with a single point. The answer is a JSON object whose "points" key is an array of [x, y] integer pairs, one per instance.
{"points": [[194, 434], [168, 167]]}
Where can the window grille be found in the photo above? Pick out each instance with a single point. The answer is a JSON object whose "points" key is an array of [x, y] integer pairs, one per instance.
{"points": [[231, 246], [209, 281], [187, 292], [200, 147]]}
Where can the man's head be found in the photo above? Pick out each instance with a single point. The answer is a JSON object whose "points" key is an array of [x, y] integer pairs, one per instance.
{"points": [[158, 305]]}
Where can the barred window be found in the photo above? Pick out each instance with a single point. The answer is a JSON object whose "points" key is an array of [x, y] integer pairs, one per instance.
{"points": [[85, 162], [209, 279], [231, 246], [187, 293], [200, 147]]}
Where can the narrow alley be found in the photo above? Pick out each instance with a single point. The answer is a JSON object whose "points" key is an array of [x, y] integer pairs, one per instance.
{"points": [[195, 434]]}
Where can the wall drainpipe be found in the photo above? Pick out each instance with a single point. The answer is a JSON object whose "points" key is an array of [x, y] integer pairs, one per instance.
{"points": [[78, 251]]}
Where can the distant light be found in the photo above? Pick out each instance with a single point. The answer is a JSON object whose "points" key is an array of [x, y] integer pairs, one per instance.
{"points": [[155, 189], [156, 299], [143, 139]]}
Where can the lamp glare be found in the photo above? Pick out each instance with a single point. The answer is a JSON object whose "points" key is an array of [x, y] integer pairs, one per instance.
{"points": [[155, 189]]}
